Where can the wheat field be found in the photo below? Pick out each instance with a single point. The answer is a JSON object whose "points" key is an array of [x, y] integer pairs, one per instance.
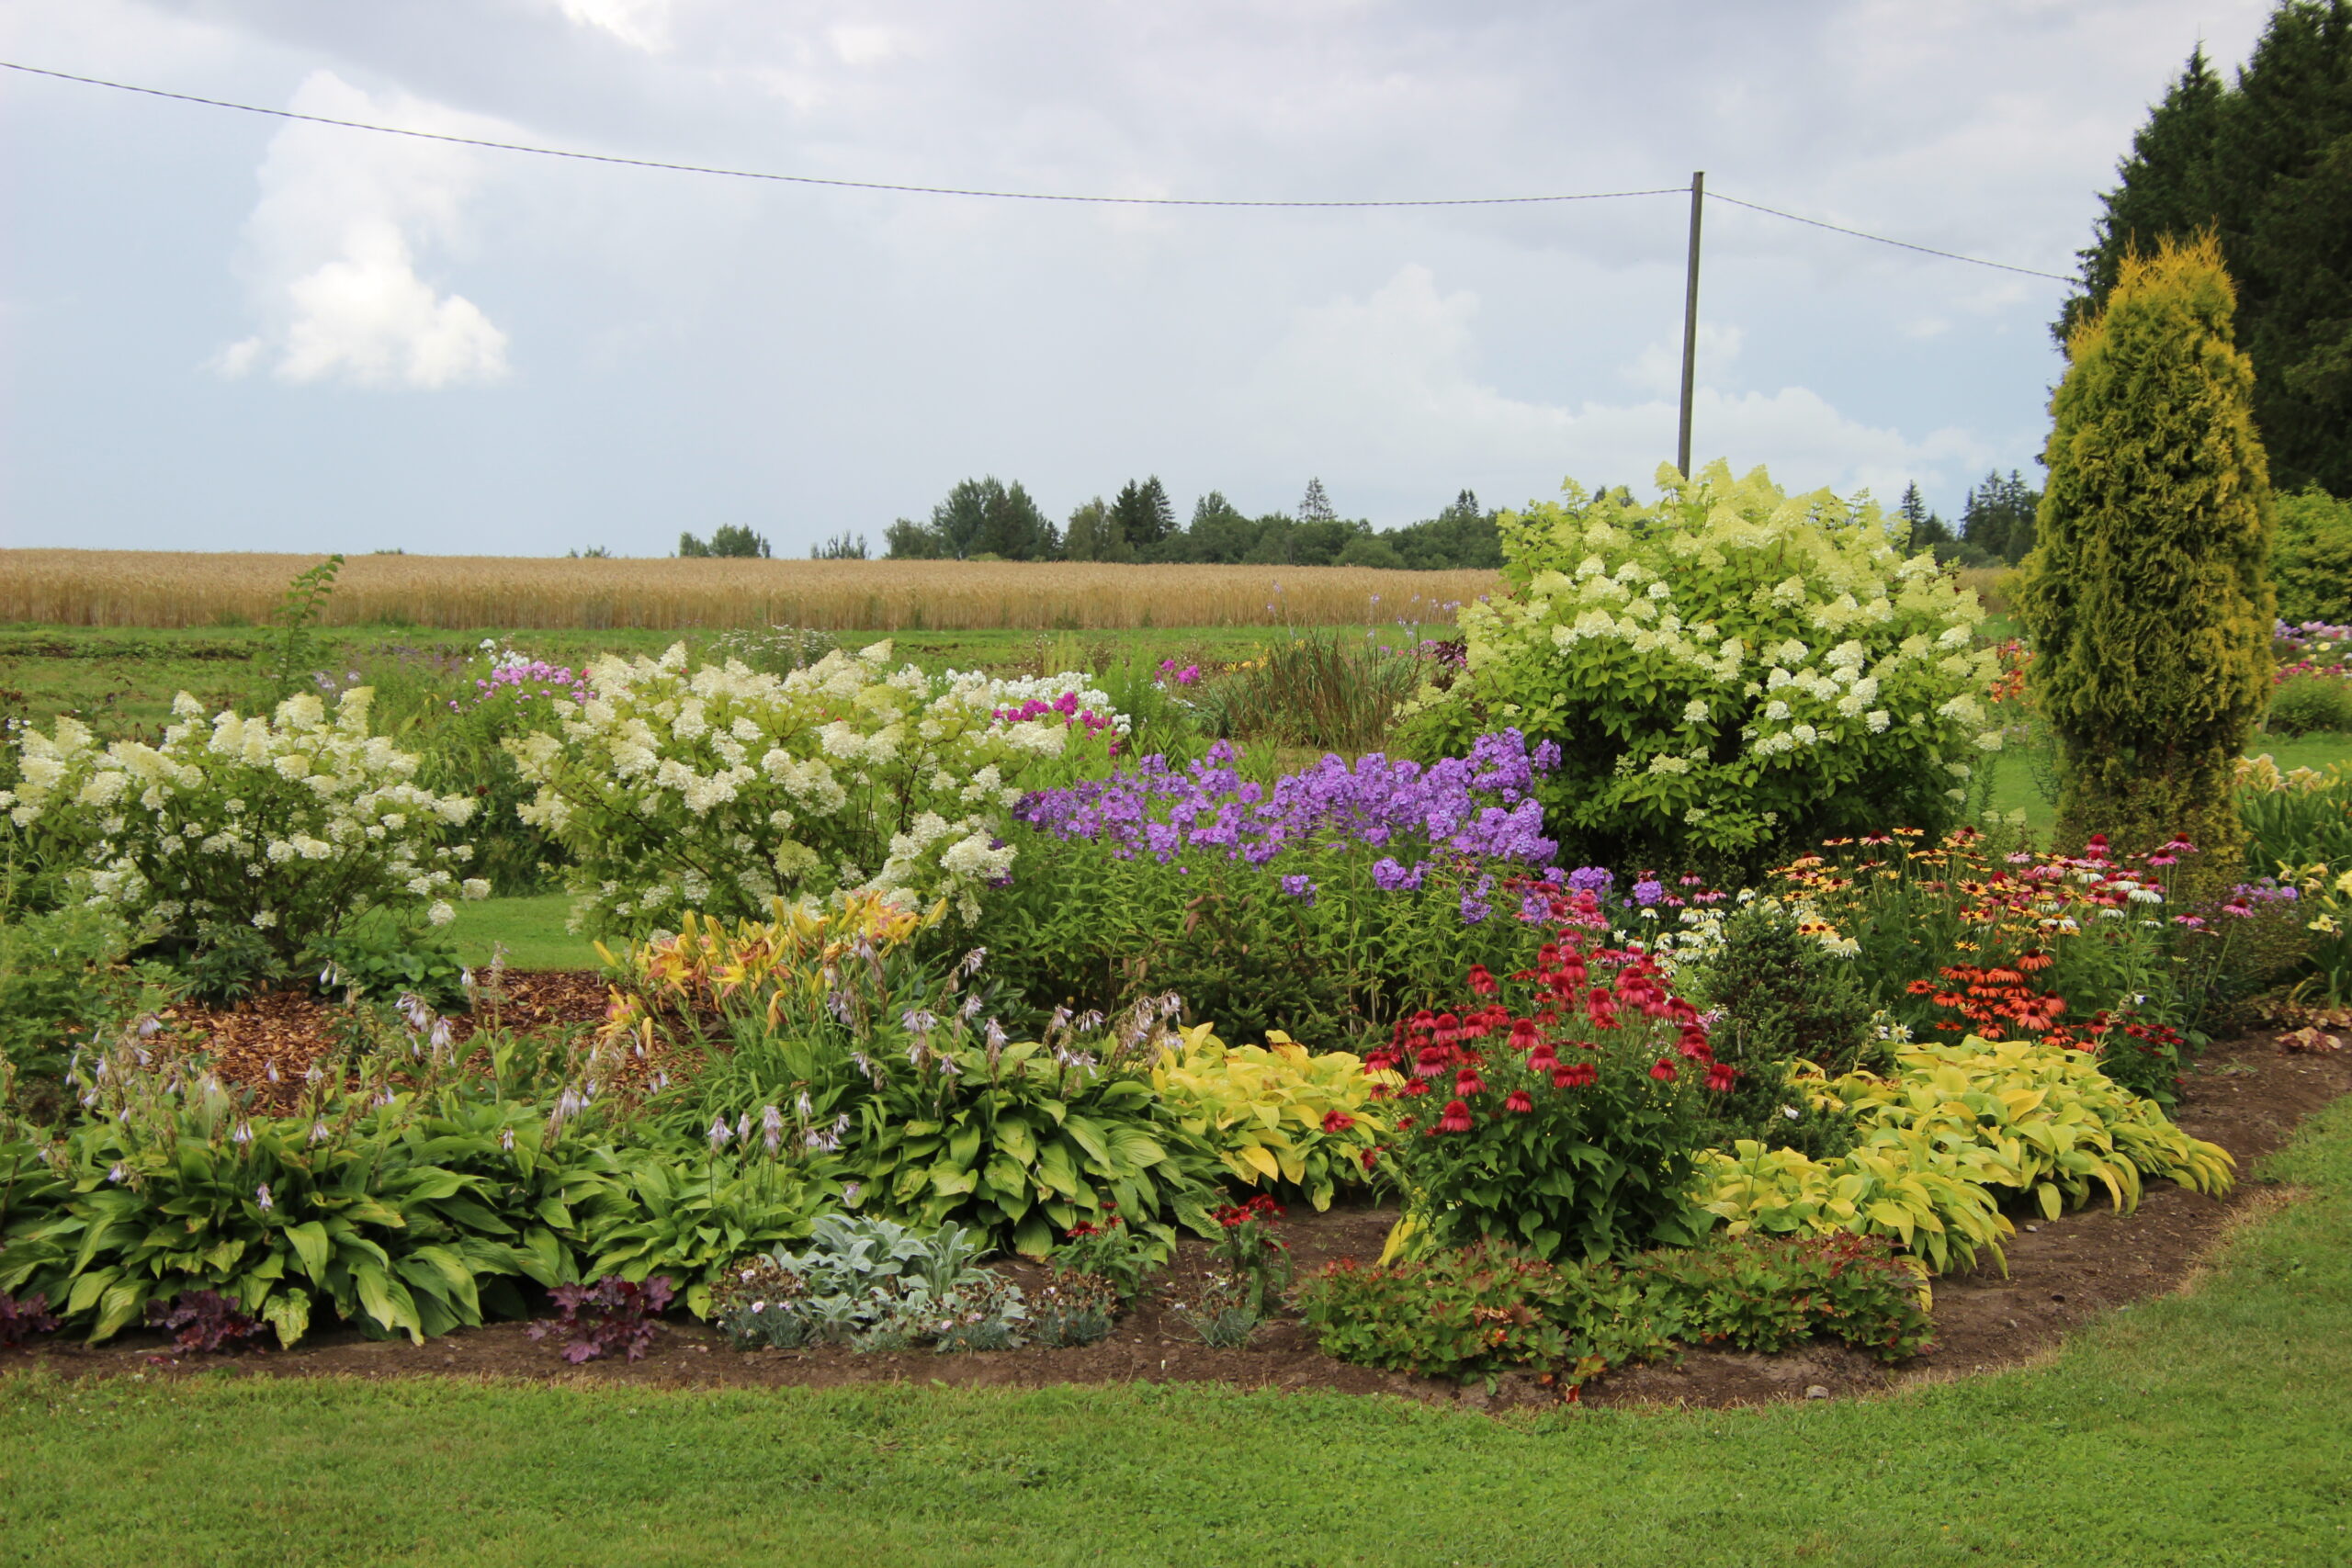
{"points": [[164, 588]]}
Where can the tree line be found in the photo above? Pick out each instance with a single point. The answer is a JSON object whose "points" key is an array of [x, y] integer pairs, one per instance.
{"points": [[986, 519]]}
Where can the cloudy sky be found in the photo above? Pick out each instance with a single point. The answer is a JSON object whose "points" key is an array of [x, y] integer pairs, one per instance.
{"points": [[223, 331]]}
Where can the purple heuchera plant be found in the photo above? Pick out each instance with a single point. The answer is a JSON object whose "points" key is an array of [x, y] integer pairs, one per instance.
{"points": [[1479, 804], [612, 1314], [201, 1322], [21, 1319]]}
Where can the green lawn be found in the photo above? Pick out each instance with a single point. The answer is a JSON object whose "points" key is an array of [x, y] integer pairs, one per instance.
{"points": [[2018, 783], [2205, 1428], [532, 928]]}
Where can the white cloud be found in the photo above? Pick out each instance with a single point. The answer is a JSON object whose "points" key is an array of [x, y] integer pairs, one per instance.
{"points": [[1384, 388], [640, 23], [331, 252]]}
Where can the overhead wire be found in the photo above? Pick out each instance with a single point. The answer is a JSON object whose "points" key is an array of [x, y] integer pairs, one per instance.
{"points": [[978, 192]]}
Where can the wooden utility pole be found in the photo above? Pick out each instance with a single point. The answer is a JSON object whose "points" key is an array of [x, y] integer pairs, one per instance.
{"points": [[1691, 323]]}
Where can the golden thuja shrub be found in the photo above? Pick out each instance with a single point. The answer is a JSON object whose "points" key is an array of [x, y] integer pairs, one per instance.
{"points": [[165, 588]]}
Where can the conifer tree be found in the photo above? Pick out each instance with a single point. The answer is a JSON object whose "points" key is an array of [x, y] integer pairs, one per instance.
{"points": [[2148, 595]]}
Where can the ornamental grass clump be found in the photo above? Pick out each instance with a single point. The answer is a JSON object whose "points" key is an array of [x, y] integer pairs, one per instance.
{"points": [[718, 788], [1726, 673], [269, 831], [1563, 1117]]}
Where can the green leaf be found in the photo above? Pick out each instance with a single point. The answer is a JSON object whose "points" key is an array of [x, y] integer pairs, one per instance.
{"points": [[287, 1311], [308, 1240]]}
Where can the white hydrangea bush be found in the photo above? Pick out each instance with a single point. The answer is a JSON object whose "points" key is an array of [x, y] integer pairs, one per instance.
{"points": [[1729, 671], [290, 823], [717, 787]]}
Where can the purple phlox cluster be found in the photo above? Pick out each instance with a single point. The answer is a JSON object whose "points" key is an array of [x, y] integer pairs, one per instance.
{"points": [[1475, 907], [515, 679], [1648, 891], [1479, 804], [1066, 706], [1188, 676], [1301, 888]]}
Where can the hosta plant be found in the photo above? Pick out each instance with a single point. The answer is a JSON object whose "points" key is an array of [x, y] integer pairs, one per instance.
{"points": [[282, 826], [1026, 1139], [1726, 671], [1275, 1115]]}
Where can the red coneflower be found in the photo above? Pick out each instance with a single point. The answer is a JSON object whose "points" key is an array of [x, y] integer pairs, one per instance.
{"points": [[1576, 1077], [1337, 1120], [1481, 981], [1467, 1082], [1721, 1077], [1663, 1071], [1455, 1119], [1516, 1101]]}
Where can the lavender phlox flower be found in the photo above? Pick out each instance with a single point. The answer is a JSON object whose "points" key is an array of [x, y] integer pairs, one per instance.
{"points": [[1475, 907], [1301, 888], [1648, 891], [1593, 879]]}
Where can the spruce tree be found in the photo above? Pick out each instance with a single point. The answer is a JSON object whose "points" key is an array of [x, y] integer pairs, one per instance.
{"points": [[2148, 597]]}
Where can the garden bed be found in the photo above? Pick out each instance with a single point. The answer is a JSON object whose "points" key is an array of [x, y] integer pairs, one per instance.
{"points": [[2247, 1096]]}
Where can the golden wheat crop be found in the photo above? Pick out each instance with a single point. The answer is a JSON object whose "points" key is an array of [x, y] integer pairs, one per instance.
{"points": [[162, 588]]}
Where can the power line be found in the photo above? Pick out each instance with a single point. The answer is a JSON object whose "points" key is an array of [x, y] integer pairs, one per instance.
{"points": [[812, 179], [986, 193], [1858, 234]]}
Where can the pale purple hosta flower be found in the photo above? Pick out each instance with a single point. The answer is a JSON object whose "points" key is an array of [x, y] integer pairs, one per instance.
{"points": [[241, 1134], [719, 1134], [506, 1139], [117, 1174], [803, 1107], [149, 1026], [262, 1198], [318, 1132], [772, 1129], [972, 962], [850, 1189], [743, 1128], [270, 1070]]}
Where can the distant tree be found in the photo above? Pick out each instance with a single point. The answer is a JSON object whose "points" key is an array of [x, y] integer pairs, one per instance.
{"points": [[1920, 528], [1146, 517], [729, 539], [2264, 164], [1997, 517], [2148, 597], [1094, 534], [1314, 506], [840, 547], [984, 516], [1219, 532], [1370, 550], [906, 539]]}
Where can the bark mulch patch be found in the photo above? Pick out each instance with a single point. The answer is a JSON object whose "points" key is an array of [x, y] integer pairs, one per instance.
{"points": [[2247, 1096]]}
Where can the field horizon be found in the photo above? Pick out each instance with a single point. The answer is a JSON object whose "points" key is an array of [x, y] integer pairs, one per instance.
{"points": [[226, 588]]}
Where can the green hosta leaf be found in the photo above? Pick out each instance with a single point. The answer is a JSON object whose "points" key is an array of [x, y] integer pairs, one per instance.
{"points": [[287, 1311]]}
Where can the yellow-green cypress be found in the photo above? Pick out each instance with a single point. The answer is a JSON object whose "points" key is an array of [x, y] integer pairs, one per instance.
{"points": [[2148, 596]]}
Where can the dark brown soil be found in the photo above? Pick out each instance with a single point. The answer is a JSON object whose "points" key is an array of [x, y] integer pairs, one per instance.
{"points": [[2246, 1097]]}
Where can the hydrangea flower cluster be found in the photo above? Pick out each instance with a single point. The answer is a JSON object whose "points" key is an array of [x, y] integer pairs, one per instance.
{"points": [[1478, 805], [290, 824], [718, 788]]}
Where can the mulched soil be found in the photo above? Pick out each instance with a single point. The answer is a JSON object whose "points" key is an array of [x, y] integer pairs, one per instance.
{"points": [[2247, 1095]]}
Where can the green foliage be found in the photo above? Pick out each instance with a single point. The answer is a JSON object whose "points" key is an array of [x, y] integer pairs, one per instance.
{"points": [[1277, 1116], [730, 541], [872, 1284], [383, 960], [1727, 673], [2313, 562], [1784, 995], [979, 517], [64, 984], [2294, 819], [1318, 689], [1025, 1140], [2264, 164], [2147, 597], [2301, 704], [1998, 517], [297, 614], [1490, 1308]]}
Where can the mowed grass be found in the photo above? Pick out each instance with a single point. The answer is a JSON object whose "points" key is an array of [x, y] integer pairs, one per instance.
{"points": [[2022, 779], [2201, 1429], [532, 931], [161, 588]]}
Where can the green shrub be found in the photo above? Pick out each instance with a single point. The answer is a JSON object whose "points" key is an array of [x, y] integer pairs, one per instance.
{"points": [[2313, 562], [1785, 997], [2303, 703], [2147, 599], [64, 985], [1490, 1308], [1728, 672]]}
